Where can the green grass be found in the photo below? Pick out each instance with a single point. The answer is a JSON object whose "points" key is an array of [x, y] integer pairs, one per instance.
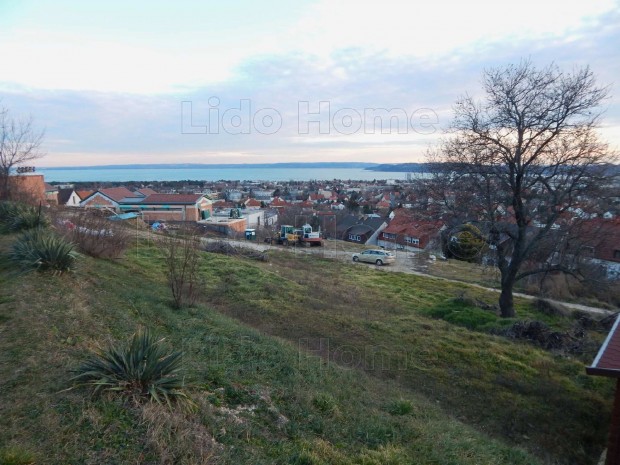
{"points": [[380, 378]]}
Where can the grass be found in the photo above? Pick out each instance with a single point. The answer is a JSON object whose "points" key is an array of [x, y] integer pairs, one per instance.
{"points": [[380, 377]]}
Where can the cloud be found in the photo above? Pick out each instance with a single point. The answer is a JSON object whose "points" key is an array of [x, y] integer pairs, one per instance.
{"points": [[370, 70]]}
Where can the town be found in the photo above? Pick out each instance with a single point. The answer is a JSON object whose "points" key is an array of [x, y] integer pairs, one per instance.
{"points": [[391, 214]]}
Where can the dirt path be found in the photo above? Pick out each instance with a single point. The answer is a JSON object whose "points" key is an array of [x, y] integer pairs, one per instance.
{"points": [[333, 251]]}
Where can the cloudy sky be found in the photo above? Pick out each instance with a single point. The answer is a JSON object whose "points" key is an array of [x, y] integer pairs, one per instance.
{"points": [[243, 81]]}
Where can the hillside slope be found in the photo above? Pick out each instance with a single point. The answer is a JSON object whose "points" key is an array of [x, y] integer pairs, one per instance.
{"points": [[379, 379]]}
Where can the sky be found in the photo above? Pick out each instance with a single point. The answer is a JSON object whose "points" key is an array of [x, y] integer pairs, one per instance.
{"points": [[119, 82]]}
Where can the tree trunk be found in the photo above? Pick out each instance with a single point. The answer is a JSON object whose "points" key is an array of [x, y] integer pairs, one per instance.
{"points": [[4, 186], [506, 304]]}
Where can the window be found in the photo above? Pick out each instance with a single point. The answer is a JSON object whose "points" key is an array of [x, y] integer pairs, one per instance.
{"points": [[587, 250], [617, 254], [412, 240], [354, 237], [389, 236]]}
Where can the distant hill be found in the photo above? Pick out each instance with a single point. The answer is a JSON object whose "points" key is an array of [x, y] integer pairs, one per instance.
{"points": [[399, 167]]}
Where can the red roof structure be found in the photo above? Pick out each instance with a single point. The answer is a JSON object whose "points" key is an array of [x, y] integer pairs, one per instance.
{"points": [[252, 203], [156, 199], [404, 225], [146, 191], [279, 203], [116, 193], [84, 194], [607, 363]]}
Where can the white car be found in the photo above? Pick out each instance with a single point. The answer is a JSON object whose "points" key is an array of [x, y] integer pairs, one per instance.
{"points": [[377, 256]]}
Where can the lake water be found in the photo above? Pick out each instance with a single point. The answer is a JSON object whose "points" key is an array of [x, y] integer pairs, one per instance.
{"points": [[214, 174]]}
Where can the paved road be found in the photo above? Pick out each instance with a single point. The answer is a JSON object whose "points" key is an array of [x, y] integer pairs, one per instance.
{"points": [[333, 250]]}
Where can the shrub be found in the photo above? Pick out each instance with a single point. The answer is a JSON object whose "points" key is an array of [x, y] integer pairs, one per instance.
{"points": [[143, 369], [42, 250], [96, 235], [19, 217], [182, 267]]}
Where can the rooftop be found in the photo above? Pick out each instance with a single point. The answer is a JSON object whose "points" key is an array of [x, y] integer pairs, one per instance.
{"points": [[607, 361]]}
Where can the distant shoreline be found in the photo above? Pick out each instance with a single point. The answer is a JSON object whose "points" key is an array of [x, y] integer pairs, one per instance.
{"points": [[284, 173], [392, 167], [357, 165]]}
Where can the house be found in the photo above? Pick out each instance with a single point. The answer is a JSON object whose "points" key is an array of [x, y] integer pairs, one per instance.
{"points": [[169, 207], [364, 230], [51, 194], [253, 218], [279, 204], [146, 191], [600, 240], [83, 194], [108, 199], [153, 207], [407, 233], [234, 195], [271, 217], [233, 227], [68, 198], [263, 195], [252, 204]]}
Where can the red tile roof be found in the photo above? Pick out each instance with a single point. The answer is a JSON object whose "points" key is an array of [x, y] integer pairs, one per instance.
{"points": [[117, 193], [252, 203], [147, 191], [188, 199], [278, 202], [83, 194], [414, 229], [607, 361]]}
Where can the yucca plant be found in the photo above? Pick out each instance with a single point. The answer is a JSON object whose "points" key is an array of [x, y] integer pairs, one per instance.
{"points": [[42, 250], [143, 369], [19, 217]]}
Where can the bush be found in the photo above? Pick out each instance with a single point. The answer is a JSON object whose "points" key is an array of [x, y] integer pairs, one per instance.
{"points": [[42, 250], [144, 369], [182, 261], [95, 235], [20, 217]]}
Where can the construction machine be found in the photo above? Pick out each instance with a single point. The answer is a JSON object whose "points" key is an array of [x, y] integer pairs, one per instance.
{"points": [[289, 235]]}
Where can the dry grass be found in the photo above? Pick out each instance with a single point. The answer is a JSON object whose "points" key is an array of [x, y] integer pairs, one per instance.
{"points": [[179, 438]]}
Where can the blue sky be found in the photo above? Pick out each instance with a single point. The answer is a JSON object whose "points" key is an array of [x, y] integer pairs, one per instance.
{"points": [[107, 79]]}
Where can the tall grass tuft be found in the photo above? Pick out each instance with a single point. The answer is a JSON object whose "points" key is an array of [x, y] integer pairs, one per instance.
{"points": [[143, 369], [42, 250], [16, 456]]}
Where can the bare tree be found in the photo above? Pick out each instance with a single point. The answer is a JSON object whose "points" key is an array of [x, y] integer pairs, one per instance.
{"points": [[522, 161], [181, 255], [19, 144]]}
